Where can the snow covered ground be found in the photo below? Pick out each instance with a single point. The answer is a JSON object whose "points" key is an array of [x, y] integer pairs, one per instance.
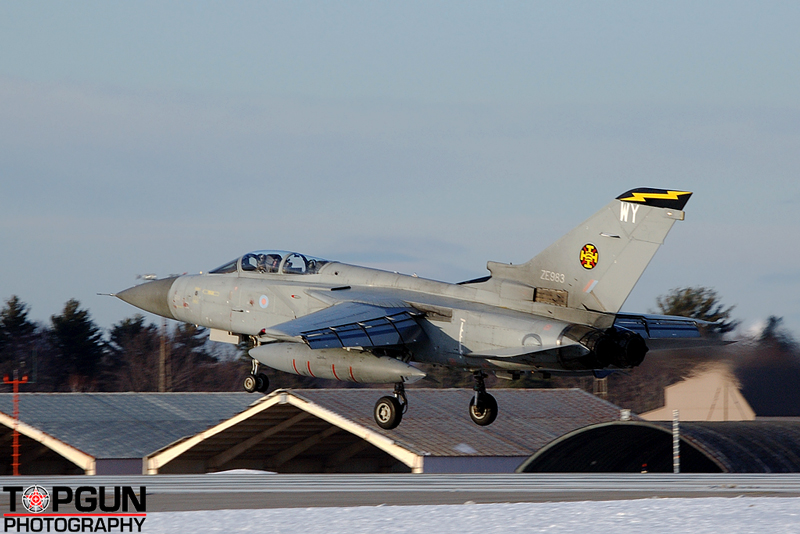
{"points": [[654, 516]]}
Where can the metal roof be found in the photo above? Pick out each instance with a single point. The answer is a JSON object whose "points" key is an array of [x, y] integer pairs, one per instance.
{"points": [[333, 429], [123, 425], [296, 429], [437, 422]]}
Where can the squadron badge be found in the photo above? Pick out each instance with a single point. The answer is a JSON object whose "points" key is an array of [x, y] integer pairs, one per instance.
{"points": [[589, 256]]}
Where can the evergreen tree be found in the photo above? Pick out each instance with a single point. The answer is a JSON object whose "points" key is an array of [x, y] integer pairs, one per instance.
{"points": [[189, 343], [133, 356], [190, 364], [698, 303], [769, 371], [17, 336], [775, 333], [80, 348]]}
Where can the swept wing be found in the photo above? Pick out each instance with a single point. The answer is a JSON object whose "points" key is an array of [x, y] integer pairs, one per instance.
{"points": [[352, 324]]}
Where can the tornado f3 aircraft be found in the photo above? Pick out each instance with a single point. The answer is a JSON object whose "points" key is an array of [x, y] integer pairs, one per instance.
{"points": [[557, 313]]}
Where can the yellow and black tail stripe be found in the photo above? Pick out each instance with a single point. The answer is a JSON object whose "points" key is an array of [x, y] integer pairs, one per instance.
{"points": [[658, 198]]}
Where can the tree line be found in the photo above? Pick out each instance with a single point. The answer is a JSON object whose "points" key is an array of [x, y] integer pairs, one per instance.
{"points": [[71, 353]]}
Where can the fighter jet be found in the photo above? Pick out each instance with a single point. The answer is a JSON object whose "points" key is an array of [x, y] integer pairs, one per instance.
{"points": [[557, 313]]}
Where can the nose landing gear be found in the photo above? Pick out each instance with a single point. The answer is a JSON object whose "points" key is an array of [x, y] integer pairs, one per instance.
{"points": [[482, 406]]}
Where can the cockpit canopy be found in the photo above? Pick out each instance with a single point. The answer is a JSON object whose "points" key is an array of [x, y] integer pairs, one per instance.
{"points": [[273, 261]]}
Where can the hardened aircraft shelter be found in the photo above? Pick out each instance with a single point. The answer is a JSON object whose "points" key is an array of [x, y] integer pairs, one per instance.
{"points": [[291, 431], [762, 446], [332, 431], [104, 433]]}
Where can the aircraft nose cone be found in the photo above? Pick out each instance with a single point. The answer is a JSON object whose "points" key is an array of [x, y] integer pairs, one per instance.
{"points": [[150, 296]]}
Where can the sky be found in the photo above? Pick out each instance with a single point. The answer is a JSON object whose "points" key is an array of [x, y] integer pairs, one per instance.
{"points": [[423, 137]]}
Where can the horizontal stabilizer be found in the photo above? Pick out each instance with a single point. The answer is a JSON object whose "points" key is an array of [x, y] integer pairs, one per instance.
{"points": [[665, 332], [659, 326]]}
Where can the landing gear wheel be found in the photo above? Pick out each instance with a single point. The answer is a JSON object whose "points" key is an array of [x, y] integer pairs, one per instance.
{"points": [[262, 383], [250, 384], [482, 406], [388, 412], [484, 411]]}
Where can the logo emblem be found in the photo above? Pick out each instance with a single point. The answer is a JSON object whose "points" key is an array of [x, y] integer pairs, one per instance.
{"points": [[263, 301], [589, 256], [35, 499]]}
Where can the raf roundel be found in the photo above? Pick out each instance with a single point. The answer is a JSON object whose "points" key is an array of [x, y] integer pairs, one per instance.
{"points": [[263, 301], [589, 256]]}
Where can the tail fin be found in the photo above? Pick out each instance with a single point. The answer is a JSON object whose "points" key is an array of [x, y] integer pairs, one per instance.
{"points": [[595, 266]]}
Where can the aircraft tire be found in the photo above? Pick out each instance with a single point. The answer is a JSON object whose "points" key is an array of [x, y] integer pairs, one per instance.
{"points": [[250, 383], [388, 412], [262, 383], [485, 412]]}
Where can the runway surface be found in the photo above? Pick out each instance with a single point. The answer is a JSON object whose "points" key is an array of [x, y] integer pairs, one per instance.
{"points": [[255, 491]]}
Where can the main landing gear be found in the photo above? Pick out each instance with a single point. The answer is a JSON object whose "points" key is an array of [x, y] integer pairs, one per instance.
{"points": [[389, 410], [256, 381], [482, 406]]}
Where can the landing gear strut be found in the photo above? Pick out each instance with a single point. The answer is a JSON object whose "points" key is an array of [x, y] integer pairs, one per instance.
{"points": [[482, 406], [389, 410], [256, 381]]}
